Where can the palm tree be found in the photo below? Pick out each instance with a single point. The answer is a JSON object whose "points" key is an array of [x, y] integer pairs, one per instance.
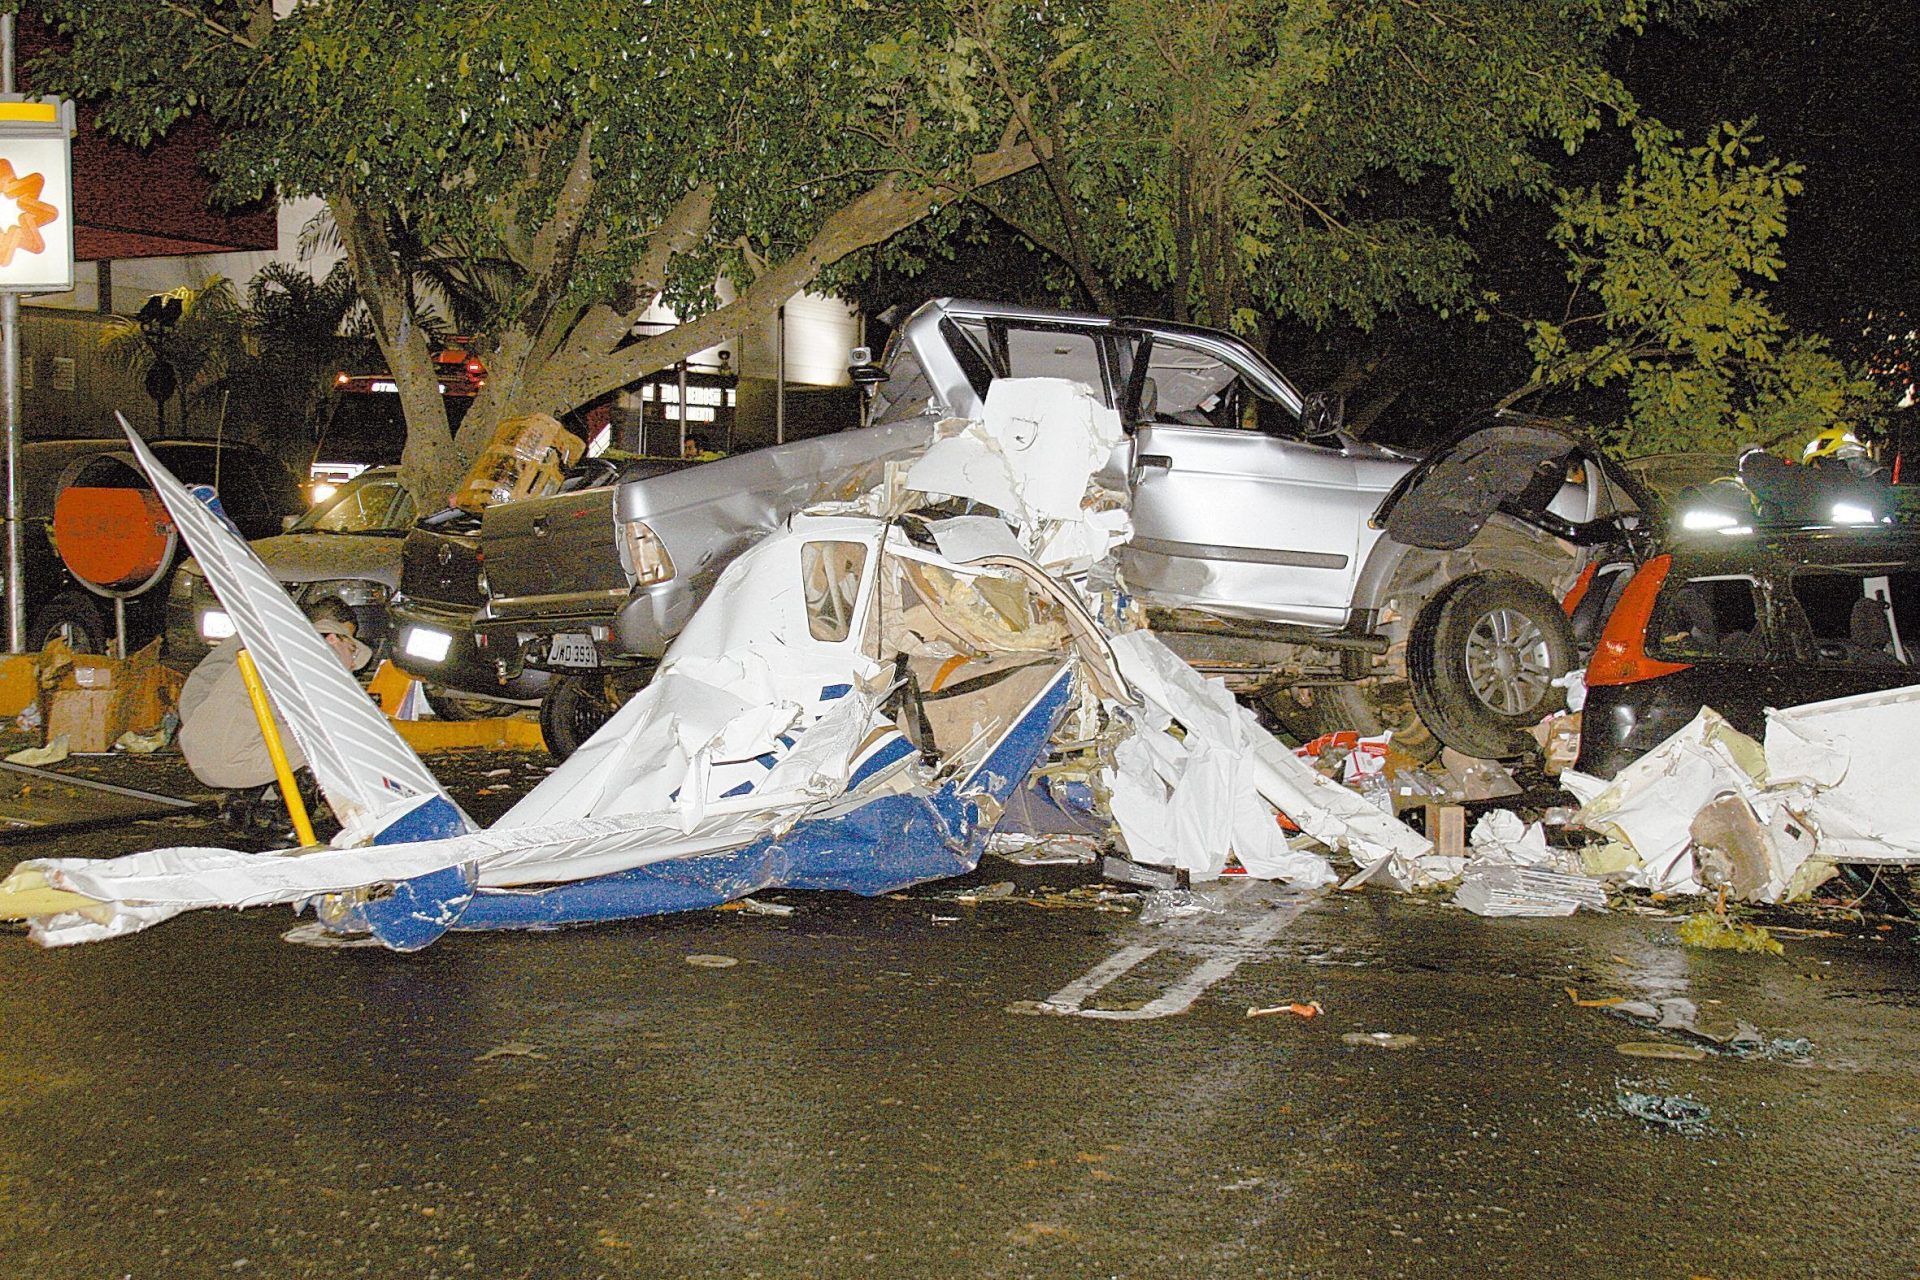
{"points": [[463, 290], [181, 342]]}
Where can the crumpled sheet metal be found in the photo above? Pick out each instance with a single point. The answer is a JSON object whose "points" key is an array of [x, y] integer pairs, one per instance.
{"points": [[1833, 784], [1649, 805], [1858, 755], [1187, 801], [777, 745]]}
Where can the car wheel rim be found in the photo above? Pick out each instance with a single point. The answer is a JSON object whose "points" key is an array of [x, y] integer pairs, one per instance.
{"points": [[1508, 664]]}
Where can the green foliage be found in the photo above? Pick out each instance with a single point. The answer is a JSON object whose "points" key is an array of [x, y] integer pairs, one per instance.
{"points": [[1310, 158], [1667, 269], [545, 172], [199, 345], [298, 333]]}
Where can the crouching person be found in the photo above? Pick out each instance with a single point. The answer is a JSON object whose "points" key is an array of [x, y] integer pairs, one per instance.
{"points": [[220, 736]]}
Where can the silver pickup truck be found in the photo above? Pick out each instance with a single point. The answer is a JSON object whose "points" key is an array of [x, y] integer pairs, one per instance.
{"points": [[575, 597], [1347, 585]]}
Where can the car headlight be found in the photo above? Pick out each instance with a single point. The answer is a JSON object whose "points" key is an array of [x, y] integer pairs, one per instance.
{"points": [[1707, 518], [1851, 513]]}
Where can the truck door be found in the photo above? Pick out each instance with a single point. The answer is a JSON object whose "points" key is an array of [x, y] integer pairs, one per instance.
{"points": [[1233, 510]]}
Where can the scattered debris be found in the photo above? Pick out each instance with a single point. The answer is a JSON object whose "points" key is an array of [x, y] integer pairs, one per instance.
{"points": [[1665, 1049], [1379, 1040], [711, 962], [315, 934], [1492, 890], [511, 1049], [1680, 1115], [755, 907], [1717, 933], [53, 753], [1605, 1002], [1311, 1009], [1059, 850], [1162, 905]]}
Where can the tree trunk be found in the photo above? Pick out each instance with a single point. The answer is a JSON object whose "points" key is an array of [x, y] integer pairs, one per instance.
{"points": [[429, 467]]}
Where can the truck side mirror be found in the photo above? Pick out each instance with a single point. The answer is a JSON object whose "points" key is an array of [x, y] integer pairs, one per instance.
{"points": [[1323, 413]]}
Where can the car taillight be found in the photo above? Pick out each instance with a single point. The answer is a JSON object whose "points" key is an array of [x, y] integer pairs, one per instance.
{"points": [[647, 558], [1621, 656]]}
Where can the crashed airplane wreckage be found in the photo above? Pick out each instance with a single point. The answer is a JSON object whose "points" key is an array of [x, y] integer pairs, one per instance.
{"points": [[852, 708]]}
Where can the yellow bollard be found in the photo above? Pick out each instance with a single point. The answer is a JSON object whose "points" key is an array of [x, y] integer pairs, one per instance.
{"points": [[282, 771]]}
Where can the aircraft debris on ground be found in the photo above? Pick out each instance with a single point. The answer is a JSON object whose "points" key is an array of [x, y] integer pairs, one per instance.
{"points": [[854, 707]]}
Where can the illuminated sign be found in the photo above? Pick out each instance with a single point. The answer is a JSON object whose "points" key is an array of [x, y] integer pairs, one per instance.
{"points": [[36, 197]]}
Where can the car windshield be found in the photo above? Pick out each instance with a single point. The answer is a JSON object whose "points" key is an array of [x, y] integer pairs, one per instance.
{"points": [[373, 503]]}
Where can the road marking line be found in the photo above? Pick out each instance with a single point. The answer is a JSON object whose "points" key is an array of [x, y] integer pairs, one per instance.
{"points": [[1070, 1000]]}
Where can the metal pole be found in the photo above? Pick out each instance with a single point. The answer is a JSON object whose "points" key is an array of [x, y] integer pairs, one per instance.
{"points": [[10, 411], [780, 376], [683, 408]]}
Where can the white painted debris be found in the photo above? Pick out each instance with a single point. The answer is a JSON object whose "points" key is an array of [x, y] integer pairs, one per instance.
{"points": [[1649, 805], [796, 733], [1859, 755], [1501, 837], [1493, 889], [1711, 808]]}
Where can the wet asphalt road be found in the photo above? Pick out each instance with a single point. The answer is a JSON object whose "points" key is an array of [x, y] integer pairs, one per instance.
{"points": [[867, 1091]]}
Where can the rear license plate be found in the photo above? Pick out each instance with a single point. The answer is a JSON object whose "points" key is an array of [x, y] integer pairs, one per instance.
{"points": [[571, 649]]}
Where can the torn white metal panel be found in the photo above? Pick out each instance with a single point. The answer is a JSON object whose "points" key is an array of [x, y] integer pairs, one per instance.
{"points": [[1859, 754], [1226, 761], [1650, 804], [1037, 478], [367, 771]]}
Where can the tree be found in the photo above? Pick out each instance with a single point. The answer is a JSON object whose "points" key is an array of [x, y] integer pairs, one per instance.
{"points": [[181, 343], [614, 153], [297, 333], [1246, 159], [1667, 301]]}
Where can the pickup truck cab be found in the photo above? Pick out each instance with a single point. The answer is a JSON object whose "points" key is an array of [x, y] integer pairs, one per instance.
{"points": [[1347, 584]]}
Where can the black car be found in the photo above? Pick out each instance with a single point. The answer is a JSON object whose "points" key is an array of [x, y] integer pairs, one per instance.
{"points": [[1743, 621], [258, 493]]}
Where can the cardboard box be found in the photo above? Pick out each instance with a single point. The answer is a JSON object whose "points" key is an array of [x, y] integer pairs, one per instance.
{"points": [[93, 700], [85, 717]]}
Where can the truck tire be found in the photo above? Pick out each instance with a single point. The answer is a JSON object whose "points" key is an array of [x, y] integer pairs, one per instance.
{"points": [[449, 705], [574, 707], [1482, 658], [73, 618], [572, 710]]}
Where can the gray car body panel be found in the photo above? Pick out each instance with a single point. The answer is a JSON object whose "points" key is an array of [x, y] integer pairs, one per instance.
{"points": [[574, 576]]}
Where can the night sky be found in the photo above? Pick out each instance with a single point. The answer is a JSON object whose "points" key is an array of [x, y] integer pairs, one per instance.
{"points": [[1835, 84]]}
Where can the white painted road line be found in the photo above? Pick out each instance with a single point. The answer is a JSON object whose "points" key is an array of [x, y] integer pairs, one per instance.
{"points": [[1222, 959]]}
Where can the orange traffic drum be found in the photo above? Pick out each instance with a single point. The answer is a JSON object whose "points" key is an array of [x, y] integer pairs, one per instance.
{"points": [[113, 539]]}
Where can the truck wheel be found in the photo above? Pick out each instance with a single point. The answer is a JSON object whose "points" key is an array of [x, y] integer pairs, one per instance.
{"points": [[73, 618], [449, 705], [571, 711], [574, 707], [1482, 658]]}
